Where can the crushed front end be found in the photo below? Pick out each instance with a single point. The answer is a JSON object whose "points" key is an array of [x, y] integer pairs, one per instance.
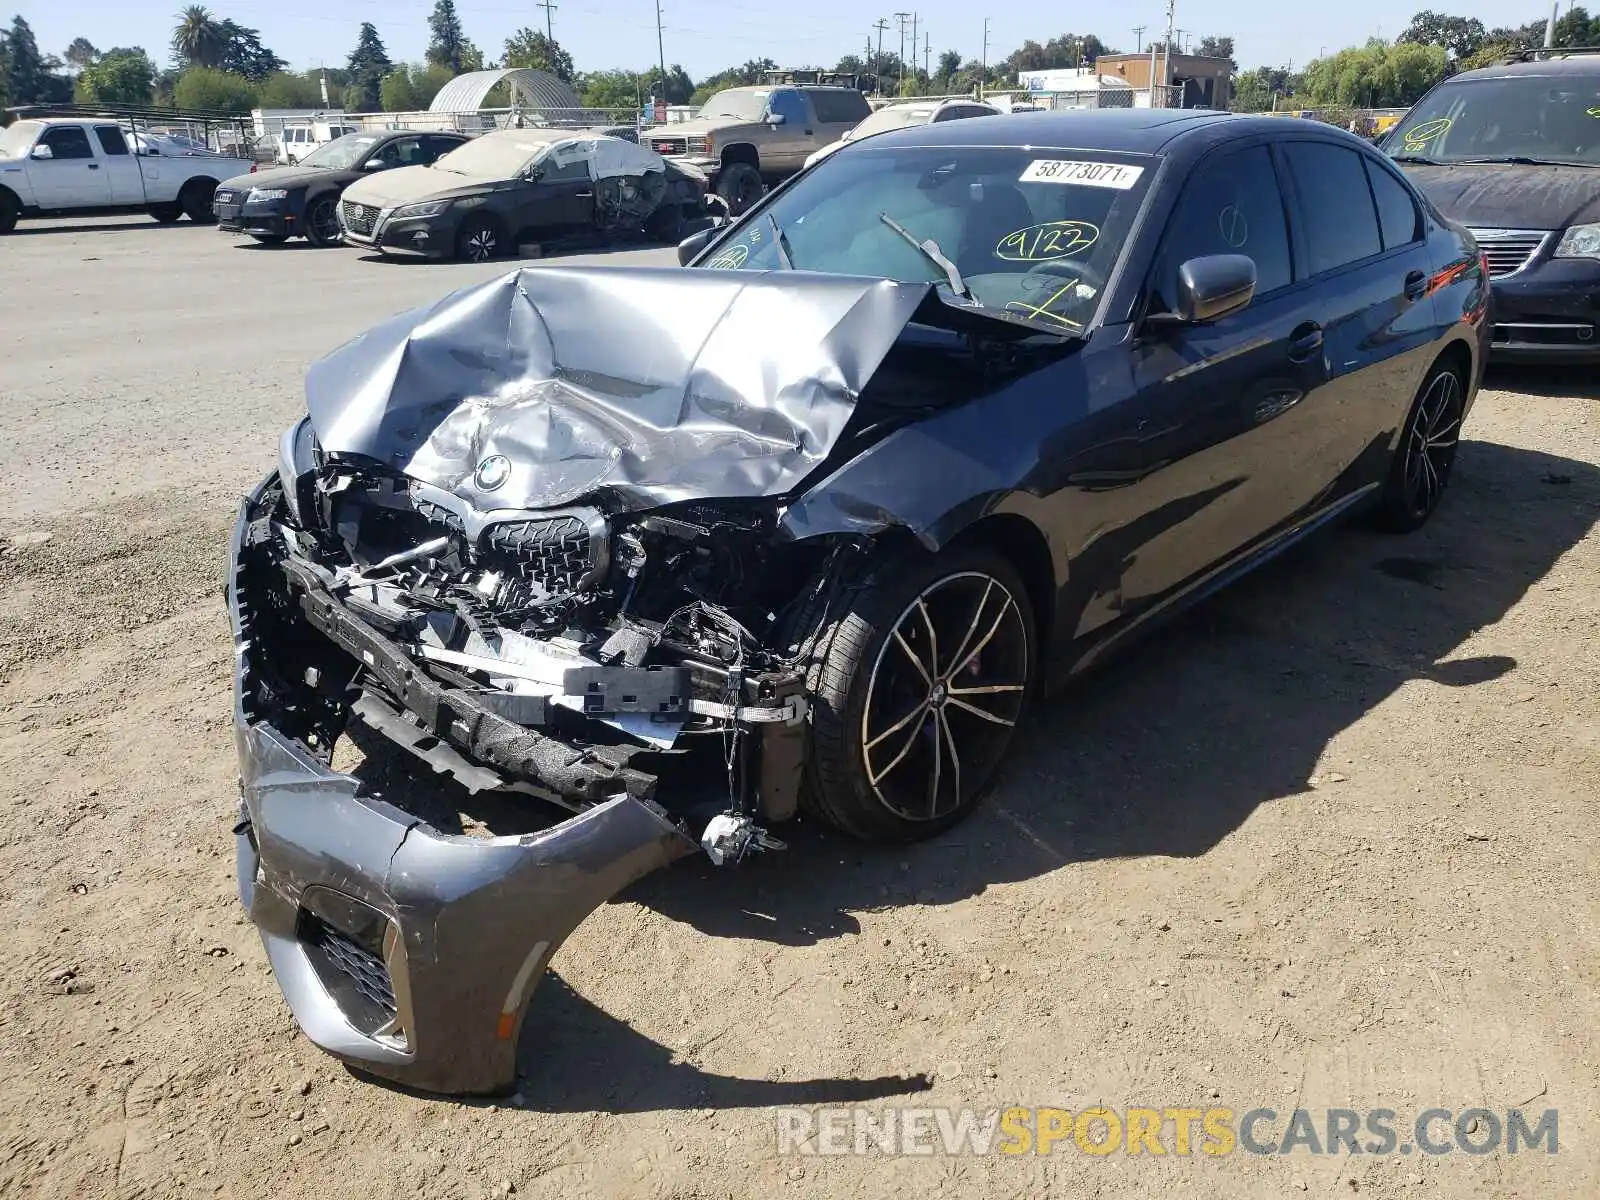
{"points": [[568, 659], [532, 537]]}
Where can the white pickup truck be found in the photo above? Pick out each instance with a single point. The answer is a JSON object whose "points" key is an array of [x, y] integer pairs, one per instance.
{"points": [[82, 166]]}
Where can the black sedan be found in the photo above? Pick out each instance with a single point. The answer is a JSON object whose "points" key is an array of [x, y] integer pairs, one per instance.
{"points": [[517, 185], [303, 200], [944, 420]]}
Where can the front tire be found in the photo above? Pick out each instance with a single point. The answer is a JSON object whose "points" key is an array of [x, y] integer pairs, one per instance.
{"points": [[918, 688], [321, 226], [270, 239], [167, 214], [1426, 454], [10, 210], [740, 185], [480, 239]]}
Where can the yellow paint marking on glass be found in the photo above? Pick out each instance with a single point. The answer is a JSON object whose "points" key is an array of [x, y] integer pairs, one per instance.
{"points": [[1418, 137], [1043, 310], [1594, 112], [1046, 241], [730, 259]]}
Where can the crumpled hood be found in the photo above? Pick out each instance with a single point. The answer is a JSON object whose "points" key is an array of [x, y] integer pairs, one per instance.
{"points": [[648, 384], [1506, 196], [408, 185]]}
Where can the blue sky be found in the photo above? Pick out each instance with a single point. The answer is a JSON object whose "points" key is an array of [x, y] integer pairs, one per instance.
{"points": [[706, 35]]}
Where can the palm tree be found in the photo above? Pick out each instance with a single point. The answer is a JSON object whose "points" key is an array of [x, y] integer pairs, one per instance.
{"points": [[199, 39]]}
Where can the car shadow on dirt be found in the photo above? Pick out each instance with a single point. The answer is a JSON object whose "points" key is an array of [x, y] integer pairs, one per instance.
{"points": [[1171, 746], [576, 1057]]}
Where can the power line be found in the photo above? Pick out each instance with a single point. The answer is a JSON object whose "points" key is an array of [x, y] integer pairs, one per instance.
{"points": [[877, 63], [1138, 38]]}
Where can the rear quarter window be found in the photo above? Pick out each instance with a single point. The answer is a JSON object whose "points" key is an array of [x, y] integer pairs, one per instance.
{"points": [[838, 106], [1397, 211]]}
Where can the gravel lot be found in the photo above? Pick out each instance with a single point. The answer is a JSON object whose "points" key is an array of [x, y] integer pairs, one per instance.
{"points": [[1328, 842]]}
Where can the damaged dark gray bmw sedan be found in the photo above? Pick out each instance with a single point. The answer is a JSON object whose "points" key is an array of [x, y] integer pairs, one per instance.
{"points": [[666, 555]]}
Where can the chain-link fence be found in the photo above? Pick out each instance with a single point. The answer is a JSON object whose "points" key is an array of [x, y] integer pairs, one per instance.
{"points": [[484, 119]]}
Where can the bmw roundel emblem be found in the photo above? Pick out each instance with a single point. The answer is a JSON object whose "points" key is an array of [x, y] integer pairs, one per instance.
{"points": [[492, 472]]}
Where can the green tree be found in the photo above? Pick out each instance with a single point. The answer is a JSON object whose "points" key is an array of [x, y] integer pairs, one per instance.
{"points": [[198, 40], [120, 76], [1462, 37], [31, 77], [243, 53], [209, 88], [1217, 47], [411, 87], [81, 53], [530, 48], [447, 42], [743, 75], [1257, 90], [368, 64], [677, 89], [612, 89], [1376, 75], [283, 90]]}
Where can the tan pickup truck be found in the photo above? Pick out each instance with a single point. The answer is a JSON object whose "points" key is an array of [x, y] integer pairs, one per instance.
{"points": [[748, 137]]}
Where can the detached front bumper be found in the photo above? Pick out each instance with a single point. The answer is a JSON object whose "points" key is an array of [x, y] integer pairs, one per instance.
{"points": [[408, 952], [1549, 313]]}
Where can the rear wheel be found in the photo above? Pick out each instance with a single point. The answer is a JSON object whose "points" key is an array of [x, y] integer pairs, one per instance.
{"points": [[740, 185], [167, 214], [480, 239], [1426, 454], [195, 200], [322, 221], [918, 689]]}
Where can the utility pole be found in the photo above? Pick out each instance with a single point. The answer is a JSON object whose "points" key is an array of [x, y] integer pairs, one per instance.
{"points": [[900, 20], [1166, 72], [983, 70], [1138, 38], [661, 88], [913, 47], [549, 31], [927, 55], [877, 63]]}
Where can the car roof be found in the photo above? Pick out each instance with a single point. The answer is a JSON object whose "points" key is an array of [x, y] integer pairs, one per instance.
{"points": [[1130, 130], [1575, 64]]}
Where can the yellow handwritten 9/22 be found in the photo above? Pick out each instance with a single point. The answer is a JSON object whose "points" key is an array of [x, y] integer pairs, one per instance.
{"points": [[1046, 241]]}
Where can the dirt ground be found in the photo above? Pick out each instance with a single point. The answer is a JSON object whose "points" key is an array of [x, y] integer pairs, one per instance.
{"points": [[1328, 842]]}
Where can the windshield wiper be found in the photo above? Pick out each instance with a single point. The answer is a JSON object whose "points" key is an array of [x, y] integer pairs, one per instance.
{"points": [[930, 251], [1523, 160], [783, 243], [1415, 158]]}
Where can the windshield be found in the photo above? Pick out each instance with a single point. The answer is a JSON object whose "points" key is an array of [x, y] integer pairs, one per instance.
{"points": [[496, 155], [1030, 232], [747, 106], [896, 116], [341, 153], [1546, 117], [15, 140]]}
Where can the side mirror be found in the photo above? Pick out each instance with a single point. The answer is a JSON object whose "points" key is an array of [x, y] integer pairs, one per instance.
{"points": [[374, 164], [694, 243], [42, 153], [775, 119], [1210, 288]]}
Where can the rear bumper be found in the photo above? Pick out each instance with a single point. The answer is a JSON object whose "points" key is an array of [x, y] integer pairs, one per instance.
{"points": [[1548, 313], [408, 952]]}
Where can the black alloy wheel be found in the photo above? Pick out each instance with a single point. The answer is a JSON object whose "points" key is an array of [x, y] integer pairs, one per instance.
{"points": [[322, 221], [918, 689], [1426, 454], [947, 689], [479, 240]]}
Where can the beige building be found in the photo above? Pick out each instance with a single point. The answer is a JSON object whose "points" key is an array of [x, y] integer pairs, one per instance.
{"points": [[1205, 82]]}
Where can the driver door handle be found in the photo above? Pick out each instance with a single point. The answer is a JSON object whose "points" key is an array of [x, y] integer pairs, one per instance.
{"points": [[1305, 343], [93, 166], [583, 195]]}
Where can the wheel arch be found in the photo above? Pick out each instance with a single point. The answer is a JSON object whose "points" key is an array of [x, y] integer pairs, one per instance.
{"points": [[200, 180], [741, 152], [1024, 546]]}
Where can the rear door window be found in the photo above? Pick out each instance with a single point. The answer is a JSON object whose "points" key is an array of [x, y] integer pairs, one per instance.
{"points": [[1398, 220], [111, 139], [838, 107], [1333, 200]]}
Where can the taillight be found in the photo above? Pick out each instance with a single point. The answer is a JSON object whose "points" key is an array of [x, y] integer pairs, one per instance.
{"points": [[254, 168]]}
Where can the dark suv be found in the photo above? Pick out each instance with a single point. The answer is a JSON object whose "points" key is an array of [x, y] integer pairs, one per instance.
{"points": [[1512, 152]]}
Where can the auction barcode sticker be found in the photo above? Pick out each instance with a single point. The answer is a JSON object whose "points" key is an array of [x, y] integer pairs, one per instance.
{"points": [[1088, 174]]}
